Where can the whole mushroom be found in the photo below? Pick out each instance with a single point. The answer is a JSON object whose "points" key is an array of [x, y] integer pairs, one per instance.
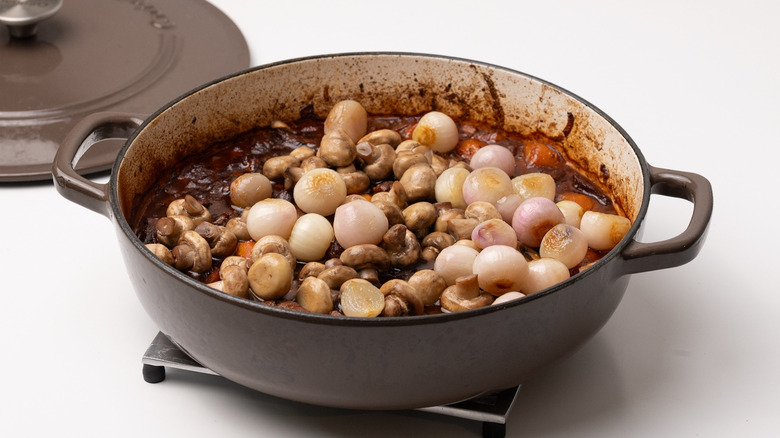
{"points": [[401, 299], [401, 245], [366, 255], [192, 253], [168, 229], [190, 207], [464, 295], [222, 241]]}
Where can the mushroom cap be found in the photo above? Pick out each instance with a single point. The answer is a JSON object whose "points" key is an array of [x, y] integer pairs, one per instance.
{"points": [[315, 296], [270, 276], [365, 255], [193, 251]]}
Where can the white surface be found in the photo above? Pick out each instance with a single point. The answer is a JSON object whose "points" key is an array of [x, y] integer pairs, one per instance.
{"points": [[691, 351]]}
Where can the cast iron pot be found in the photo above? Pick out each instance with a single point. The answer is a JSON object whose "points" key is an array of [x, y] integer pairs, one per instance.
{"points": [[384, 363]]}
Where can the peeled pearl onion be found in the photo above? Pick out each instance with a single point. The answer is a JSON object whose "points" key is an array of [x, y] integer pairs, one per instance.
{"points": [[500, 269], [437, 131], [449, 186], [533, 185], [565, 244], [494, 155], [509, 296], [311, 237], [494, 232], [603, 231], [350, 116], [487, 184], [543, 273], [249, 188], [507, 205], [572, 212], [360, 298], [533, 218], [320, 191], [359, 222], [454, 262], [271, 216]]}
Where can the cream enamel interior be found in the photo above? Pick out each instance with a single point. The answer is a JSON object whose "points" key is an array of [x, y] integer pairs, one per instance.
{"points": [[384, 84]]}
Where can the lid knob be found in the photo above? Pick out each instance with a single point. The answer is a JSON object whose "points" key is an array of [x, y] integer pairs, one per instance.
{"points": [[22, 16]]}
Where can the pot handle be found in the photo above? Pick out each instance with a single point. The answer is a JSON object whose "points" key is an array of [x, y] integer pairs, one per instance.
{"points": [[88, 131], [681, 249]]}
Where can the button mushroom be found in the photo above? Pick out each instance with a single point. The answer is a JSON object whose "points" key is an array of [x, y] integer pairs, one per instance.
{"points": [[378, 159], [401, 245], [222, 241], [356, 181], [366, 256], [168, 229], [311, 269], [396, 195], [233, 277], [190, 207], [270, 277], [392, 212], [274, 167], [161, 252], [419, 217], [419, 182], [401, 299], [273, 244], [464, 295], [405, 160], [238, 226], [482, 211], [315, 296], [428, 284], [192, 253], [335, 276], [337, 149], [382, 136]]}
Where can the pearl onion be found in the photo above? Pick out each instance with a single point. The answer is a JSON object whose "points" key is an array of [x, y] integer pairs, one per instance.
{"points": [[454, 262], [449, 186], [533, 185], [509, 296], [249, 188], [360, 298], [603, 231], [486, 184], [311, 237], [494, 232], [359, 222], [572, 212], [271, 216], [507, 205], [494, 155], [543, 273], [437, 131], [533, 218], [320, 191], [565, 244], [349, 116], [500, 269]]}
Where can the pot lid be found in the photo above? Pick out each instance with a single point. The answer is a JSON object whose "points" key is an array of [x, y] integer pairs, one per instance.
{"points": [[60, 61]]}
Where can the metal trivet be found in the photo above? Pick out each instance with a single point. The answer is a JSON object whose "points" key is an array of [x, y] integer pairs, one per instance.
{"points": [[491, 409]]}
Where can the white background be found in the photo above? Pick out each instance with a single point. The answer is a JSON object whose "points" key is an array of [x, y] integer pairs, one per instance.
{"points": [[692, 351]]}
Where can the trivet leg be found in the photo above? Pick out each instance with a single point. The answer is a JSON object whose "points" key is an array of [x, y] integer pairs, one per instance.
{"points": [[493, 430], [153, 373]]}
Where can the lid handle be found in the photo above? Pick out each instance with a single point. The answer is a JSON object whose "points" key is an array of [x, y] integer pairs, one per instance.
{"points": [[22, 16]]}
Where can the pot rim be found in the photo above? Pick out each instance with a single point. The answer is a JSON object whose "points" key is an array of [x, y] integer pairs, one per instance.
{"points": [[260, 308]]}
